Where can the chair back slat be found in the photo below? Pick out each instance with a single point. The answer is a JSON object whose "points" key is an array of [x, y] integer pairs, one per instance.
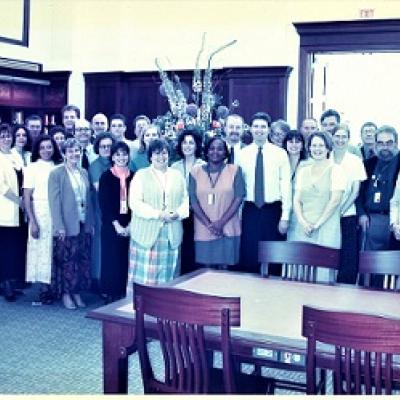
{"points": [[364, 345], [180, 319], [300, 260], [385, 263]]}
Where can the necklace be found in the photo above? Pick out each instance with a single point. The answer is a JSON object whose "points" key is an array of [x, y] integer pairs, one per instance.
{"points": [[78, 185]]}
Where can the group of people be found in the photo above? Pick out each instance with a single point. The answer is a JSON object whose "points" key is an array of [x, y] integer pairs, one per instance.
{"points": [[84, 207]]}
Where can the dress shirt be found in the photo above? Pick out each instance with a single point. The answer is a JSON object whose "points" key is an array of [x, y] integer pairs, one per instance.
{"points": [[236, 150], [277, 175], [91, 155]]}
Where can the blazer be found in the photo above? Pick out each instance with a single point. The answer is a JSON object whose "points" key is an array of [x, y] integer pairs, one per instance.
{"points": [[63, 207], [370, 165], [9, 211]]}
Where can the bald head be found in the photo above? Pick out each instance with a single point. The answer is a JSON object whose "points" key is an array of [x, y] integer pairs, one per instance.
{"points": [[99, 123]]}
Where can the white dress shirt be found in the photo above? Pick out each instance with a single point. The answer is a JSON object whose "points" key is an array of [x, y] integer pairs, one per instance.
{"points": [[277, 175]]}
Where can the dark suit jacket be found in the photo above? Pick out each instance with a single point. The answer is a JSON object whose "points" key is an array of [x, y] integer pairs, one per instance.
{"points": [[63, 207], [370, 165]]}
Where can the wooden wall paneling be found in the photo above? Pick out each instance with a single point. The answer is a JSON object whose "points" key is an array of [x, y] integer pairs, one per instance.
{"points": [[105, 93], [134, 93], [260, 89]]}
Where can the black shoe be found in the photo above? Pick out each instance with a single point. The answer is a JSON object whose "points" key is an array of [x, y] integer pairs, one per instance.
{"points": [[11, 297]]}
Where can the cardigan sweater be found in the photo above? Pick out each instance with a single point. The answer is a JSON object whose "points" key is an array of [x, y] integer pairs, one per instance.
{"points": [[63, 207], [146, 202], [9, 210]]}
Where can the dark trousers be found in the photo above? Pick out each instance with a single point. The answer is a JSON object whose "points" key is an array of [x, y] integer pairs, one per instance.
{"points": [[349, 250], [259, 224]]}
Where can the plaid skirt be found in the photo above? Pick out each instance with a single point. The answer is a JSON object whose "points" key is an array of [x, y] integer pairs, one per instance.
{"points": [[153, 265]]}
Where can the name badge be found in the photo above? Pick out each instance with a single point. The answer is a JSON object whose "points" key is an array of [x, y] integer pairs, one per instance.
{"points": [[211, 199], [123, 207], [377, 197]]}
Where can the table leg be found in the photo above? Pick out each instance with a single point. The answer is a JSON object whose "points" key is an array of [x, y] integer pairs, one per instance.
{"points": [[118, 344]]}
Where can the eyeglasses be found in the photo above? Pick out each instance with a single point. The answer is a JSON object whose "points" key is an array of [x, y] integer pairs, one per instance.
{"points": [[82, 129], [389, 143]]}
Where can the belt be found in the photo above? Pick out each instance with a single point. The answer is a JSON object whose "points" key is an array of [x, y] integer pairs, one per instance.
{"points": [[379, 212]]}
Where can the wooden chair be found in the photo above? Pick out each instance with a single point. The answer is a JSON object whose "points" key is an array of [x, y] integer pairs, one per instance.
{"points": [[384, 263], [300, 260], [181, 317], [363, 345]]}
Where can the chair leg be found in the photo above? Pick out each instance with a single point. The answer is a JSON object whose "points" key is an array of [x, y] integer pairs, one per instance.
{"points": [[323, 381]]}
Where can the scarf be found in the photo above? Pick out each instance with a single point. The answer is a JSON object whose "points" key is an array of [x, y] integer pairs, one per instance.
{"points": [[122, 173]]}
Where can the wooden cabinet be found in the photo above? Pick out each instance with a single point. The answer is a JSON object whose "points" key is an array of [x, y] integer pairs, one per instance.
{"points": [[23, 93], [134, 93]]}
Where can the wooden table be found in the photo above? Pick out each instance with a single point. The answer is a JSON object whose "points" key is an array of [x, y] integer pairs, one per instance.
{"points": [[271, 316]]}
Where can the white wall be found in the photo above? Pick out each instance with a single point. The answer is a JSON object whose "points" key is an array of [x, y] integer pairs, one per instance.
{"points": [[105, 35]]}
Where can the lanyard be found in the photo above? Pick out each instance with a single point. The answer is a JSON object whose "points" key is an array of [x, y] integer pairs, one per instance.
{"points": [[214, 182]]}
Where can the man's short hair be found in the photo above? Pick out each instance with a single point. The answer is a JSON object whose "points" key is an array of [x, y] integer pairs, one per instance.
{"points": [[368, 123], [71, 107], [118, 116], [235, 116], [330, 113], [32, 117], [342, 127], [261, 115], [142, 116], [386, 129]]}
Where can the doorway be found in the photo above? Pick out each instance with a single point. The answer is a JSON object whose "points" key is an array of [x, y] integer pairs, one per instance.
{"points": [[360, 86]]}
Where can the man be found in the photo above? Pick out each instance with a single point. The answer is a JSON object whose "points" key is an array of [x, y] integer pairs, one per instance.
{"points": [[233, 129], [373, 203], [308, 126], [83, 133], [330, 119], [268, 201], [34, 125], [367, 148], [140, 125], [118, 129], [70, 114], [99, 124]]}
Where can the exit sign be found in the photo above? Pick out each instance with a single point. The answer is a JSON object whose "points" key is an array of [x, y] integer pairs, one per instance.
{"points": [[367, 13]]}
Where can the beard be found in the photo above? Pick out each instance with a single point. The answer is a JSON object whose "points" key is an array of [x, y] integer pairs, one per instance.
{"points": [[386, 155]]}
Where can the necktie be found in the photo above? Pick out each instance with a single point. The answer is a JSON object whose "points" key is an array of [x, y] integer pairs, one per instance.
{"points": [[259, 180], [85, 160], [231, 157]]}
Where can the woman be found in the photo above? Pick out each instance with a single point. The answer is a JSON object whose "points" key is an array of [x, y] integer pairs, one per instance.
{"points": [[45, 155], [279, 129], [22, 145], [293, 143], [189, 149], [102, 147], [354, 174], [140, 160], [13, 229], [216, 192], [72, 217], [113, 200], [59, 135], [159, 201], [318, 192]]}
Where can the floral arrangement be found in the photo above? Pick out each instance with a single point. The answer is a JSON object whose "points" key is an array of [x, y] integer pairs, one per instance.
{"points": [[198, 113]]}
